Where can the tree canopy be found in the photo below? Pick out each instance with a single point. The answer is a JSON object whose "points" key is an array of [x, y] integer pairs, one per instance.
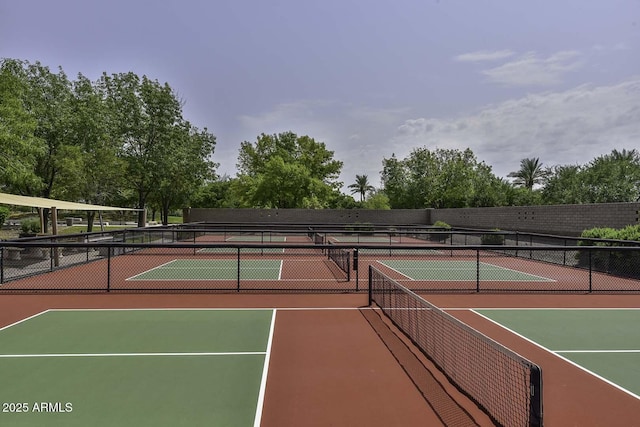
{"points": [[286, 171], [119, 140], [440, 179], [123, 140], [614, 177]]}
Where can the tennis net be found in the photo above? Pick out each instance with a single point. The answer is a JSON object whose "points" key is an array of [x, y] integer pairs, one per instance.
{"points": [[342, 258], [505, 385]]}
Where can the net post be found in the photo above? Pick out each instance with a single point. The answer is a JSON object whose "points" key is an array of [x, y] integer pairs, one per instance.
{"points": [[535, 415]]}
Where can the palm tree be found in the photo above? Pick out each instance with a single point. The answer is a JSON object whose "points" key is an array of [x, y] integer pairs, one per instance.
{"points": [[361, 186], [530, 173]]}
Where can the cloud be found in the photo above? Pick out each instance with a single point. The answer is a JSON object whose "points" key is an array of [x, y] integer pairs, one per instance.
{"points": [[570, 127], [530, 69], [484, 55], [357, 135]]}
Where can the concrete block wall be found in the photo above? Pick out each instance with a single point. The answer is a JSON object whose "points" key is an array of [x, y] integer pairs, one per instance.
{"points": [[308, 216], [568, 220]]}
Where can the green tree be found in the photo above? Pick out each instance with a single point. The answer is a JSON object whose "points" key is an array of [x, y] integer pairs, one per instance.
{"points": [[96, 174], [564, 185], [286, 171], [215, 193], [614, 177], [47, 98], [19, 147], [377, 200], [440, 179], [144, 116], [361, 186], [530, 173], [187, 169], [395, 182]]}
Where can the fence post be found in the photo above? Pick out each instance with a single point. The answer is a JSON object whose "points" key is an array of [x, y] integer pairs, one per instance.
{"points": [[2, 265], [355, 265], [238, 287], [370, 293], [109, 269], [590, 271], [477, 270]]}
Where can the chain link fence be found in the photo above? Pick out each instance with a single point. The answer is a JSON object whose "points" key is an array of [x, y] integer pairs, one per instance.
{"points": [[307, 259]]}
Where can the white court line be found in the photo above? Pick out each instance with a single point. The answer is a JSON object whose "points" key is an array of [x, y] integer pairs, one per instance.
{"points": [[544, 279], [265, 369], [611, 383], [597, 351], [165, 309], [214, 309], [548, 308], [397, 271], [234, 353], [23, 320], [151, 269]]}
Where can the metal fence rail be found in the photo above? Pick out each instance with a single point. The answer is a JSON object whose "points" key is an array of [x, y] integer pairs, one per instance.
{"points": [[110, 262]]}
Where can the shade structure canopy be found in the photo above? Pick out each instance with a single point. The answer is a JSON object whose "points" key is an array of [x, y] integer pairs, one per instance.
{"points": [[41, 202]]}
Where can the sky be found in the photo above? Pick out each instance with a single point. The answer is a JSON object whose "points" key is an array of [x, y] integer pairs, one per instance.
{"points": [[557, 80]]}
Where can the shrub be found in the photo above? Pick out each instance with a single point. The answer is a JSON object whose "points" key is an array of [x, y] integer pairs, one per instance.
{"points": [[441, 224], [621, 263], [30, 226], [493, 238], [442, 236], [4, 214], [630, 232]]}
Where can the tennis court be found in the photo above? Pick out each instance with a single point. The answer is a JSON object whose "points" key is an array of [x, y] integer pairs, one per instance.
{"points": [[256, 239], [362, 239], [135, 367], [604, 342], [231, 251], [213, 269], [335, 360], [457, 270], [328, 365]]}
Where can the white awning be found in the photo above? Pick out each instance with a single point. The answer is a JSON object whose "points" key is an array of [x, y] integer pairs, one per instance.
{"points": [[41, 202]]}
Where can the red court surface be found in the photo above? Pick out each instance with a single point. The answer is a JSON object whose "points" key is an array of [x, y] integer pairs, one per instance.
{"points": [[336, 362]]}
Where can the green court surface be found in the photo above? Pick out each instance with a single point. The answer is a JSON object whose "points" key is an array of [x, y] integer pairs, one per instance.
{"points": [[135, 367], [242, 250], [214, 269], [399, 252], [605, 342], [257, 239], [456, 270], [362, 239]]}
